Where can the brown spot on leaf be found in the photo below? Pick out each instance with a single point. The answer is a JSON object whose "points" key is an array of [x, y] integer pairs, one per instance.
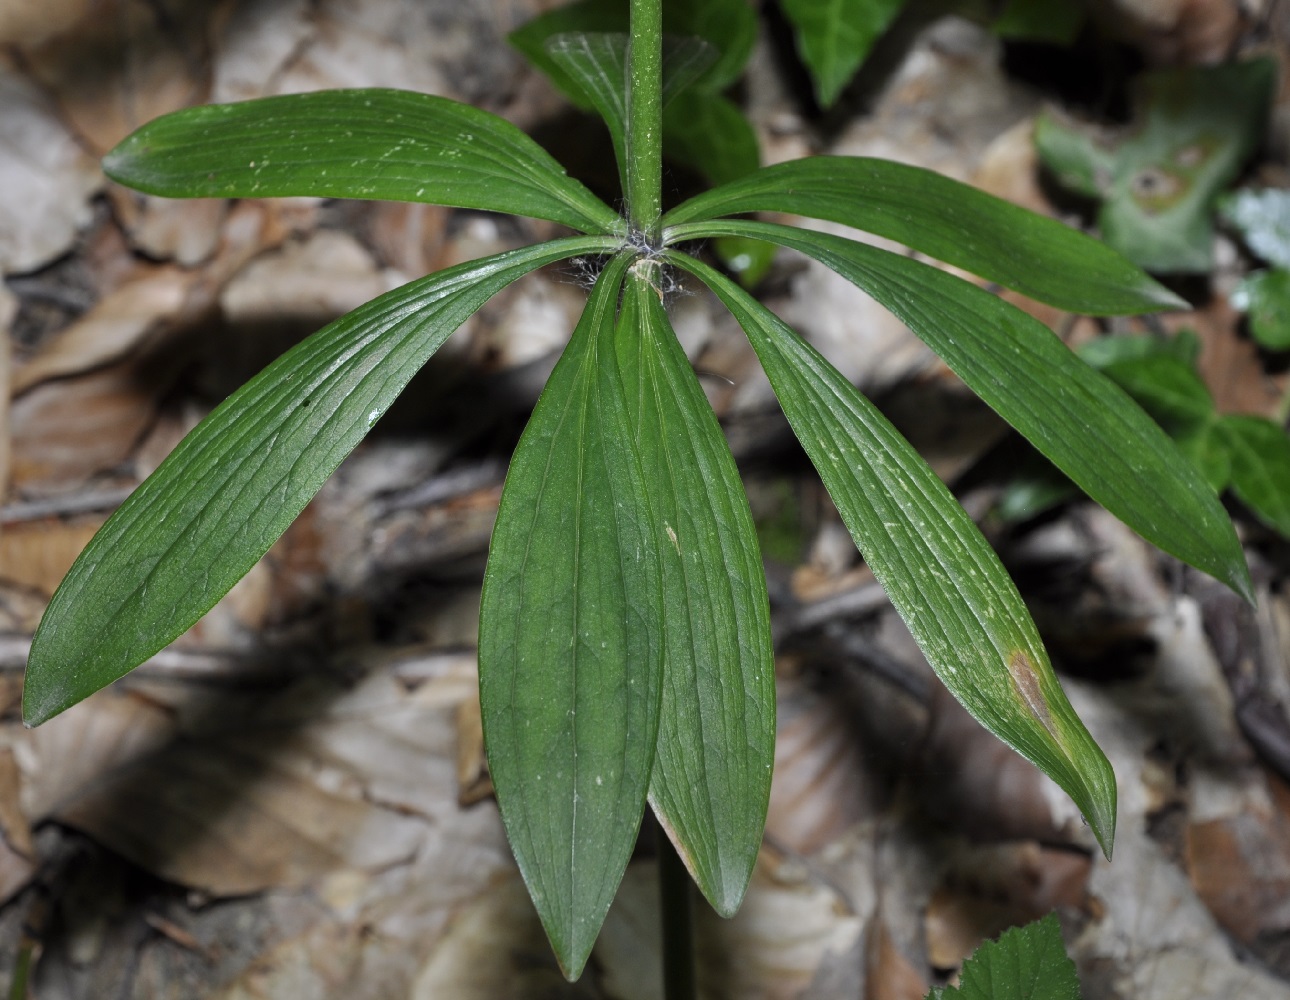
{"points": [[1025, 683]]}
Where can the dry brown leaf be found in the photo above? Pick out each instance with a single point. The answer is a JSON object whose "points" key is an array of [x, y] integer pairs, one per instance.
{"points": [[185, 230], [889, 975], [65, 432], [314, 279], [30, 22], [473, 781], [1241, 869], [46, 177], [1230, 364], [8, 310], [110, 330], [38, 554], [821, 785], [1173, 32], [124, 64], [987, 890]]}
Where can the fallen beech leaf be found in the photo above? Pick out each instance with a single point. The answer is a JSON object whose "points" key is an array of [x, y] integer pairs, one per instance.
{"points": [[110, 330]]}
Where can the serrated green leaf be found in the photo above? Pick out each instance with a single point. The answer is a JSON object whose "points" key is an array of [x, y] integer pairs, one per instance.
{"points": [[835, 36], [1265, 297], [729, 26], [716, 741], [387, 144], [1260, 455], [940, 573], [597, 65], [1167, 388], [1025, 963], [944, 219], [571, 639], [1159, 179], [1077, 417], [232, 486], [1263, 220]]}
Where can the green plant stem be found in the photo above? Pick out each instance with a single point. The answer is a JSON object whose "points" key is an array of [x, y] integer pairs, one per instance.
{"points": [[676, 914], [644, 165]]}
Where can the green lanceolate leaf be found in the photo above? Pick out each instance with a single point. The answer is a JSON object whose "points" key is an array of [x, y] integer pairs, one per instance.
{"points": [[719, 680], [571, 639], [1026, 963], [834, 36], [1078, 418], [597, 64], [200, 522], [390, 144], [940, 573], [1260, 457], [944, 219]]}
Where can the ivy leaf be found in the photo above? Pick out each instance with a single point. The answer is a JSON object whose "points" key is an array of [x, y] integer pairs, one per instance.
{"points": [[1075, 416], [1158, 181], [240, 478], [1260, 456], [939, 572], [719, 681], [835, 36], [387, 144], [571, 639], [944, 219], [1026, 963]]}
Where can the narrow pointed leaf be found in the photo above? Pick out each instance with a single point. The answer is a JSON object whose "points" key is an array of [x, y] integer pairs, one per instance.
{"points": [[716, 741], [940, 573], [597, 64], [945, 219], [570, 639], [1085, 424], [835, 36], [212, 508], [374, 143]]}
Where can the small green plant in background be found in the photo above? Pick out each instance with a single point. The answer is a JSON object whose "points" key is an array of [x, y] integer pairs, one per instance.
{"points": [[1025, 963], [625, 651], [1262, 218]]}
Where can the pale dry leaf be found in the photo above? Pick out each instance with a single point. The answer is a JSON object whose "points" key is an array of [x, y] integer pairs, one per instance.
{"points": [[47, 178], [889, 974], [125, 63], [184, 230], [65, 432], [821, 786], [116, 324], [8, 310], [314, 279], [36, 555], [30, 22]]}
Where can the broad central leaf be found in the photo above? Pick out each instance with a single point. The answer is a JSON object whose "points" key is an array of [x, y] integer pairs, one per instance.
{"points": [[716, 743], [571, 639]]}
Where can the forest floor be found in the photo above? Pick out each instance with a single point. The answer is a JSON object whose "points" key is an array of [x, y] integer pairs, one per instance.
{"points": [[292, 800]]}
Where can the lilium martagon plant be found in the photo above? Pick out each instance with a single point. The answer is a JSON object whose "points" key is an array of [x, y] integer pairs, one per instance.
{"points": [[625, 651]]}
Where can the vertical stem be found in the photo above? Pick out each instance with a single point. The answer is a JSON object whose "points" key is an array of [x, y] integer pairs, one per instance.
{"points": [[645, 118], [678, 924]]}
